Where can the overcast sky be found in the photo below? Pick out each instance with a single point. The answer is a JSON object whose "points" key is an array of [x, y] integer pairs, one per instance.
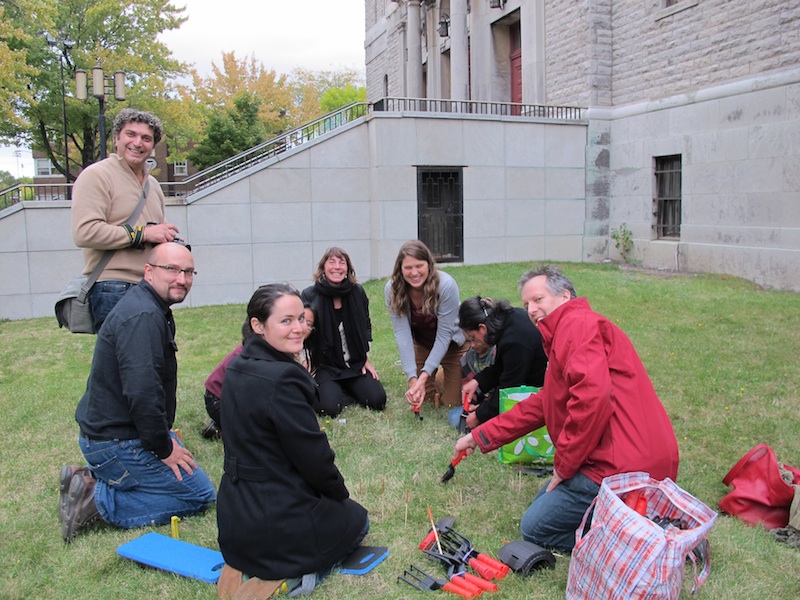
{"points": [[282, 34]]}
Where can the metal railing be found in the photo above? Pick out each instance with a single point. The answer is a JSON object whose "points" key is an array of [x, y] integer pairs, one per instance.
{"points": [[306, 133], [25, 192], [269, 149], [478, 107]]}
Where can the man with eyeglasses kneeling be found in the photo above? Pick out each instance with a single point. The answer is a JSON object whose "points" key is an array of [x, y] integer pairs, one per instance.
{"points": [[138, 472]]}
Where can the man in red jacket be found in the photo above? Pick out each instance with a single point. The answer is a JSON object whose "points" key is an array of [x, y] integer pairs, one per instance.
{"points": [[597, 402]]}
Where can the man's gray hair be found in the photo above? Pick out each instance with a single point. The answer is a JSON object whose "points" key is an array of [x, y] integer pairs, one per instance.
{"points": [[557, 282], [132, 115]]}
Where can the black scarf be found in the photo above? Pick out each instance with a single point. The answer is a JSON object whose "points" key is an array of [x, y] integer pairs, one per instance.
{"points": [[353, 318]]}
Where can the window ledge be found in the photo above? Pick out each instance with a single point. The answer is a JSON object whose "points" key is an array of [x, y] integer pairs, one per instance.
{"points": [[675, 8]]}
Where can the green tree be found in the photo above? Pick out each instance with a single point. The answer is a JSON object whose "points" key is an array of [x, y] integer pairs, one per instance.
{"points": [[229, 131], [6, 180], [234, 77], [308, 87], [116, 34], [15, 73], [338, 97]]}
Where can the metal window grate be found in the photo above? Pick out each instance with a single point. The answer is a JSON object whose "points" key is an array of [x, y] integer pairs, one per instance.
{"points": [[441, 212], [668, 196]]}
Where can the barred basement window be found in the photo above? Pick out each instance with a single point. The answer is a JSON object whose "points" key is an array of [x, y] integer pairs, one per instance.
{"points": [[667, 200], [440, 200]]}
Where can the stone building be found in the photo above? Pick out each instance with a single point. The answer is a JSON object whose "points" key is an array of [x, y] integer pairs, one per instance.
{"points": [[692, 134]]}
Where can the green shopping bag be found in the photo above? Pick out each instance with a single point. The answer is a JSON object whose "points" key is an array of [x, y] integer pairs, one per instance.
{"points": [[534, 448]]}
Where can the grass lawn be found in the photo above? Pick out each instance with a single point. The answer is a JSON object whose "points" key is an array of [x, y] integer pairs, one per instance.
{"points": [[723, 356]]}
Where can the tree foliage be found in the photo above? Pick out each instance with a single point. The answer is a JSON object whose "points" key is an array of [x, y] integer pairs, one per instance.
{"points": [[6, 179], [285, 101], [124, 35], [308, 88], [337, 97], [230, 131], [15, 72], [116, 34], [246, 76]]}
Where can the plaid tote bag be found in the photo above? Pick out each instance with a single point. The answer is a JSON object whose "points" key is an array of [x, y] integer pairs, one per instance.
{"points": [[626, 554]]}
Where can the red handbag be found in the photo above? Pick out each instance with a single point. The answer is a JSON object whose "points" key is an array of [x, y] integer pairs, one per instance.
{"points": [[760, 495]]}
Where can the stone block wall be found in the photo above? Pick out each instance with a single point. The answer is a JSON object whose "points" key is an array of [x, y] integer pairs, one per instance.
{"points": [[740, 146], [698, 43]]}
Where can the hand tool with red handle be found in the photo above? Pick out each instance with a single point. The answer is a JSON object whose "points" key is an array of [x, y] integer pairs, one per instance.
{"points": [[484, 565], [419, 579], [456, 570], [451, 470], [462, 420]]}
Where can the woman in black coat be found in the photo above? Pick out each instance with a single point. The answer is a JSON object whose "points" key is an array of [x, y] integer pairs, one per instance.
{"points": [[519, 358], [283, 509], [343, 333]]}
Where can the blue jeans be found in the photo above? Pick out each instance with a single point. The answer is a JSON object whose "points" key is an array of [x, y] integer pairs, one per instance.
{"points": [[104, 296], [135, 488], [553, 517]]}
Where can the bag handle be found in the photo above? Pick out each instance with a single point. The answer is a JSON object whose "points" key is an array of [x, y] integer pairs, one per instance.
{"points": [[580, 531], [109, 253]]}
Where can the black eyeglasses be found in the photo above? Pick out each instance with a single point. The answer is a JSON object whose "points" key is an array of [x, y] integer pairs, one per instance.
{"points": [[175, 271]]}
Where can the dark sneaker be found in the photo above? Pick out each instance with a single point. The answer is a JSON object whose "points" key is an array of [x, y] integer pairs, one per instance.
{"points": [[80, 509], [211, 431], [64, 479]]}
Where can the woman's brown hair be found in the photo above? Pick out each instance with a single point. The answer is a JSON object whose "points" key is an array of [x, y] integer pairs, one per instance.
{"points": [[319, 274], [399, 301]]}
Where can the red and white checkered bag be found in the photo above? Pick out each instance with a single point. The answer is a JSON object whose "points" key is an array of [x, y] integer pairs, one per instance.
{"points": [[627, 555]]}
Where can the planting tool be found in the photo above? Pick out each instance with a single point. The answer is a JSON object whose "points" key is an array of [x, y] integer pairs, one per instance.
{"points": [[419, 579], [484, 565], [417, 413], [456, 569], [451, 470], [462, 420]]}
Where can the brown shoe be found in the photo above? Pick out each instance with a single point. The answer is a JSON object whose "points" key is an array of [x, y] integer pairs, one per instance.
{"points": [[80, 509], [64, 479]]}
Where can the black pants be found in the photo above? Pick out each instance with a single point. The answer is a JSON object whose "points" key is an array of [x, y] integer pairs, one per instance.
{"points": [[335, 394]]}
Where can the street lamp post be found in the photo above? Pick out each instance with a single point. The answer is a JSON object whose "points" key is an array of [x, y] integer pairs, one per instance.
{"points": [[101, 83], [66, 45]]}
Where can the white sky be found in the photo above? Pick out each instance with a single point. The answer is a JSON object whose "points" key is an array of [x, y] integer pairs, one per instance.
{"points": [[282, 34]]}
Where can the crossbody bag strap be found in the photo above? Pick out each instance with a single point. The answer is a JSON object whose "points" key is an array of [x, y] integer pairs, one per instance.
{"points": [[109, 253]]}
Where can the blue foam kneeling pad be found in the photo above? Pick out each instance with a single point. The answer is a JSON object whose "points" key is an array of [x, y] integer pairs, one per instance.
{"points": [[163, 552], [363, 560]]}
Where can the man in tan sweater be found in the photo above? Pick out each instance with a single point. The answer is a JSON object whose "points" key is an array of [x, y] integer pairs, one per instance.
{"points": [[103, 199]]}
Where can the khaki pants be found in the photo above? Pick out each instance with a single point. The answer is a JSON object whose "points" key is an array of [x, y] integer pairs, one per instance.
{"points": [[450, 383]]}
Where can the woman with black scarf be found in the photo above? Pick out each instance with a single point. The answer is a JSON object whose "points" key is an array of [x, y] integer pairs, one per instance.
{"points": [[343, 333]]}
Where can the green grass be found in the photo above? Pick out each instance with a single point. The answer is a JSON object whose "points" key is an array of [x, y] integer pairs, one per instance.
{"points": [[722, 354]]}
